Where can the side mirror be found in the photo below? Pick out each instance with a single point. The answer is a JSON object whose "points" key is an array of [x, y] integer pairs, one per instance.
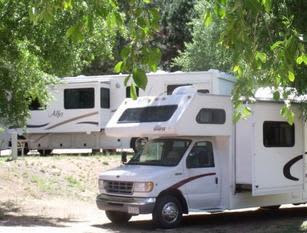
{"points": [[124, 157]]}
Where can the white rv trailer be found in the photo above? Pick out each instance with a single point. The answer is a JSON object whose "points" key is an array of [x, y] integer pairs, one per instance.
{"points": [[197, 159], [81, 107]]}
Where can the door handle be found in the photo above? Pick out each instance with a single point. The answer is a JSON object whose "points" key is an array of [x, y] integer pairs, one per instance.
{"points": [[216, 180]]}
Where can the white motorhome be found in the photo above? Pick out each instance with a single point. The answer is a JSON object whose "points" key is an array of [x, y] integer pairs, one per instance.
{"points": [[197, 159], [81, 107]]}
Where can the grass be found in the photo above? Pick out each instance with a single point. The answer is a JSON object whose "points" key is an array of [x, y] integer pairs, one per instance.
{"points": [[43, 184], [60, 176]]}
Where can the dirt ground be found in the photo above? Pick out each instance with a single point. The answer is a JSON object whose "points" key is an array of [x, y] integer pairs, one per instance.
{"points": [[57, 194]]}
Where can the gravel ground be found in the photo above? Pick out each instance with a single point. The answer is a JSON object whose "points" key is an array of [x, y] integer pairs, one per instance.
{"points": [[57, 195]]}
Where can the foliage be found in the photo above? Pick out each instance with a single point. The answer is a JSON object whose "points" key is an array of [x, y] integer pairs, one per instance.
{"points": [[135, 20], [31, 52], [268, 42], [204, 52], [175, 29]]}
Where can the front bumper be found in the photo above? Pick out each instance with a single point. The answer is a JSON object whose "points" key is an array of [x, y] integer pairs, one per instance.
{"points": [[132, 205]]}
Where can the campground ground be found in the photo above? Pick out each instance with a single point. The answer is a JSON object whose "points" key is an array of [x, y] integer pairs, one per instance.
{"points": [[57, 194]]}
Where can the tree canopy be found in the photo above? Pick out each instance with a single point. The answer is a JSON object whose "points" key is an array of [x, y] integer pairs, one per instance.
{"points": [[263, 42], [268, 42]]}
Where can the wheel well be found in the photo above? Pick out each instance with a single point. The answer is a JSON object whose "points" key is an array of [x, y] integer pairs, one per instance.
{"points": [[176, 193]]}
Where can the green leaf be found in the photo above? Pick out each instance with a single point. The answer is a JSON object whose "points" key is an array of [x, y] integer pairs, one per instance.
{"points": [[276, 45], [238, 70], [154, 56], [276, 95], [118, 67], [126, 80], [207, 18], [261, 57], [133, 91], [147, 1], [75, 33], [140, 78], [286, 113], [301, 59], [291, 76], [124, 53], [245, 112], [267, 5]]}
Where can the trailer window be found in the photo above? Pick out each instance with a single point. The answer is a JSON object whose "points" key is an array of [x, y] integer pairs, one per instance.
{"points": [[79, 98], [201, 155], [128, 92], [148, 114], [104, 97], [211, 116], [171, 88], [278, 134]]}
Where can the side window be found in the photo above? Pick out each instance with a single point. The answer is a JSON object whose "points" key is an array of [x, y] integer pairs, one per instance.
{"points": [[278, 134], [79, 98], [211, 116], [201, 156], [171, 88], [104, 97], [128, 92]]}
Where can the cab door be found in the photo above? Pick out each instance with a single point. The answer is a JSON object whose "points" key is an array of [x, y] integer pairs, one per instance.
{"points": [[203, 186]]}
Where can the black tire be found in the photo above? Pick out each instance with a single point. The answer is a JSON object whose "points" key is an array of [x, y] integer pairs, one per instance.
{"points": [[167, 212], [271, 207], [25, 150], [118, 217], [44, 152]]}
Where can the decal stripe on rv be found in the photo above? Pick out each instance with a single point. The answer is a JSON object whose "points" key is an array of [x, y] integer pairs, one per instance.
{"points": [[183, 182], [288, 166], [88, 122], [37, 126], [73, 119]]}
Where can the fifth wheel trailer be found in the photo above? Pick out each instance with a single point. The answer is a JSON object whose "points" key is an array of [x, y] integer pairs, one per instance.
{"points": [[82, 106], [197, 159]]}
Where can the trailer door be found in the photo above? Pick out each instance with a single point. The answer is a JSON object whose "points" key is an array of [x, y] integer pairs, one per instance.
{"points": [[104, 104], [278, 154]]}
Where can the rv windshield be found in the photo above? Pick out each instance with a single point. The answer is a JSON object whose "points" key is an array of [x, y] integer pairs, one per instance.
{"points": [[161, 152]]}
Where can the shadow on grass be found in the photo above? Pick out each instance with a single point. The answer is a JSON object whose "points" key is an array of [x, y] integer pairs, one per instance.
{"points": [[283, 220], [9, 216]]}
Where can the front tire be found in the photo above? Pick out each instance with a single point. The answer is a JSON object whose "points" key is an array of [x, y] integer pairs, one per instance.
{"points": [[118, 217], [167, 212]]}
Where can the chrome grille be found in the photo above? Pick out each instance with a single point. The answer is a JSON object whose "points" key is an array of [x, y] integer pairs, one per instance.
{"points": [[121, 187]]}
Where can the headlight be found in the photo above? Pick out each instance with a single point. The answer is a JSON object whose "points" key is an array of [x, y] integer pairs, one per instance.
{"points": [[100, 184], [144, 187]]}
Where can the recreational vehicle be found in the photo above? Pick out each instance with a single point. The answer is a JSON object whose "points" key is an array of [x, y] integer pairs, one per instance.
{"points": [[81, 107], [197, 159]]}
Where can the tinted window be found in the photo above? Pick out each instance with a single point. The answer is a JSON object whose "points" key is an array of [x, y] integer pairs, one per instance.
{"points": [[148, 114], [211, 116], [79, 98], [104, 97], [278, 134], [201, 155], [35, 105], [128, 92], [171, 88]]}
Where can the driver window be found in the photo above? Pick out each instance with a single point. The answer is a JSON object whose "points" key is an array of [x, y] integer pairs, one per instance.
{"points": [[201, 155]]}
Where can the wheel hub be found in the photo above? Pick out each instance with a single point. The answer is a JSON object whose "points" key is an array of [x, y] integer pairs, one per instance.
{"points": [[170, 212]]}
